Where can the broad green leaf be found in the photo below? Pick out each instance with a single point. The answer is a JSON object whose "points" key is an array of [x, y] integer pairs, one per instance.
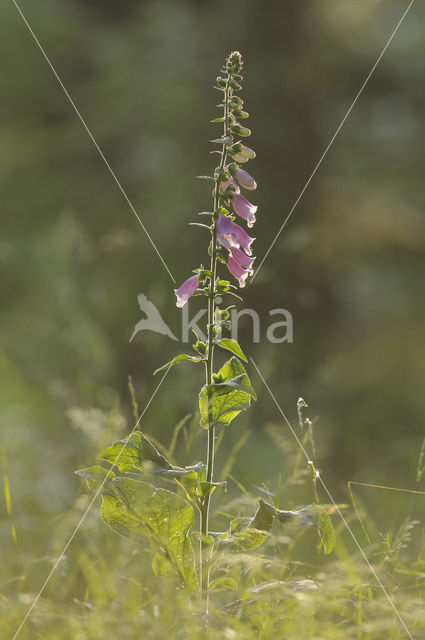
{"points": [[224, 408], [223, 584], [230, 395], [241, 383], [233, 346], [136, 509], [326, 532], [130, 453], [245, 539], [232, 369], [208, 487], [176, 360], [248, 533], [263, 517], [140, 454], [161, 565], [96, 476]]}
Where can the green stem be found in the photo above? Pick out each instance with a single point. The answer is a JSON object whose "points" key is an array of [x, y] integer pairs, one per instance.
{"points": [[209, 363]]}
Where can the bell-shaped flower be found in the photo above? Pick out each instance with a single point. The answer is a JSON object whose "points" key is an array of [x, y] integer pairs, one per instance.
{"points": [[227, 234], [243, 208], [230, 234], [244, 260], [245, 179], [244, 240], [225, 184], [236, 270], [186, 290]]}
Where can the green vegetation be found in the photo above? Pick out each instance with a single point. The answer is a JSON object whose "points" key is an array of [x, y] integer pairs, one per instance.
{"points": [[348, 266]]}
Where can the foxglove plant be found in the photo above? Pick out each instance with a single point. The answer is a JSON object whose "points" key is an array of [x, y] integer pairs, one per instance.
{"points": [[130, 505]]}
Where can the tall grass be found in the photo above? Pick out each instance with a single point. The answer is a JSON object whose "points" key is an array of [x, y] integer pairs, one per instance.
{"points": [[105, 587]]}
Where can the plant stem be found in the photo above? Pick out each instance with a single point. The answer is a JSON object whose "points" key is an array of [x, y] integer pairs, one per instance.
{"points": [[204, 511]]}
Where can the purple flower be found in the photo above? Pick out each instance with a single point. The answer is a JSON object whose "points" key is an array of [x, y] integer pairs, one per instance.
{"points": [[245, 179], [242, 258], [186, 290], [244, 240], [244, 208], [230, 234], [236, 270], [227, 235], [225, 184]]}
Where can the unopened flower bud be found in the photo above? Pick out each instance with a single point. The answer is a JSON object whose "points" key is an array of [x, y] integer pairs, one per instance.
{"points": [[239, 158], [237, 130], [247, 152], [245, 179], [237, 102], [235, 85], [234, 62], [241, 114]]}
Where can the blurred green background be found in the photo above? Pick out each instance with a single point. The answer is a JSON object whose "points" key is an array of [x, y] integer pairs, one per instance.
{"points": [[348, 266]]}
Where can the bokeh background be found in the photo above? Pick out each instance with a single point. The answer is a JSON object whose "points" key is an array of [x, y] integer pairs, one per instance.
{"points": [[349, 265]]}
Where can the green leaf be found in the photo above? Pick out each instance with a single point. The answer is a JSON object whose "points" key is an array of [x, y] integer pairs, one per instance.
{"points": [[96, 476], [206, 488], [161, 565], [136, 509], [326, 532], [263, 518], [248, 533], [233, 346], [241, 382], [176, 360], [140, 454], [223, 584], [130, 453], [228, 397]]}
